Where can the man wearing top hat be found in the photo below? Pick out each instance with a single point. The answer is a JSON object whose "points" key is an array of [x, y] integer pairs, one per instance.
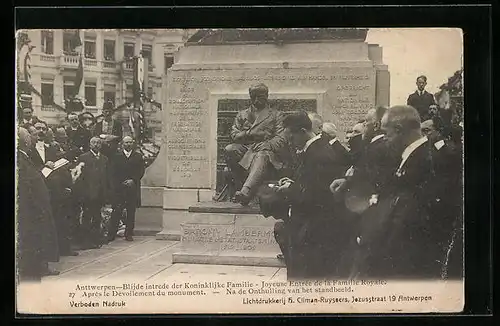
{"points": [[257, 144]]}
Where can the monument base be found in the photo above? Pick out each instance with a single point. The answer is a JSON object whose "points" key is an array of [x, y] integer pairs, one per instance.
{"points": [[227, 234]]}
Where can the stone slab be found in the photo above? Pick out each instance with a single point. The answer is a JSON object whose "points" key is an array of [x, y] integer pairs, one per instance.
{"points": [[148, 221], [171, 224], [260, 259], [223, 207], [179, 198], [228, 232], [151, 196]]}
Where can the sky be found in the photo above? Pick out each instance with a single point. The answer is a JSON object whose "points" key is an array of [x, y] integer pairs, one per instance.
{"points": [[410, 52]]}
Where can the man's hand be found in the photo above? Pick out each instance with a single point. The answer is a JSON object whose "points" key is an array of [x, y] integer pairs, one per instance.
{"points": [[50, 165], [284, 187], [284, 180], [337, 185], [128, 183]]}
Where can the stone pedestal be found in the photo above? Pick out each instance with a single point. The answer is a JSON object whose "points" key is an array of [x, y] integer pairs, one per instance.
{"points": [[227, 234]]}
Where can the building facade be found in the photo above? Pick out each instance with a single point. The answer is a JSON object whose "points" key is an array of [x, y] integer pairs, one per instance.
{"points": [[107, 70]]}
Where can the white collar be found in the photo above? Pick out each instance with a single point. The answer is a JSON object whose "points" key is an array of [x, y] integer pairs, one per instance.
{"points": [[127, 153], [376, 138], [410, 149], [309, 142], [95, 154], [332, 141]]}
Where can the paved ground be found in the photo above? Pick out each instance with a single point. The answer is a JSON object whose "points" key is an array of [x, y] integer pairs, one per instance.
{"points": [[149, 259]]}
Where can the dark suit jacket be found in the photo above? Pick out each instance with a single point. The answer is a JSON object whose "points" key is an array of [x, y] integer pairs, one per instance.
{"points": [[269, 121], [421, 103], [117, 129], [109, 148], [124, 168], [79, 138], [94, 183], [404, 236], [37, 233], [34, 119], [51, 154]]}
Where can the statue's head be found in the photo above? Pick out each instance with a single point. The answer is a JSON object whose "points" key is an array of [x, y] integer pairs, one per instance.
{"points": [[258, 95]]}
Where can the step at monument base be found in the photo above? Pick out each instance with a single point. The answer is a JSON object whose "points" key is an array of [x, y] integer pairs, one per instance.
{"points": [[260, 259], [227, 234]]}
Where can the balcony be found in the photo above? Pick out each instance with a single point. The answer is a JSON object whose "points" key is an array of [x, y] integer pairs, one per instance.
{"points": [[109, 64], [90, 63], [69, 61], [47, 58]]}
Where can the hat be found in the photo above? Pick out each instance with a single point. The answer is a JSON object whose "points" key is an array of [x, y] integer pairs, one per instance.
{"points": [[108, 105]]}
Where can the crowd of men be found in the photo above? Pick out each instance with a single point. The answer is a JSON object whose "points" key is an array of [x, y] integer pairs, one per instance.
{"points": [[69, 176], [388, 206]]}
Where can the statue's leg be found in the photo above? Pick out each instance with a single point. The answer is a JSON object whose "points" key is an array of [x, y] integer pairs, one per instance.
{"points": [[234, 153], [258, 171]]}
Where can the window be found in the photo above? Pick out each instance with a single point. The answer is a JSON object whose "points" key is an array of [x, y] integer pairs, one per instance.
{"points": [[109, 50], [90, 49], [70, 42], [90, 93], [169, 61], [110, 93], [128, 50], [48, 42], [150, 92], [47, 92], [147, 53]]}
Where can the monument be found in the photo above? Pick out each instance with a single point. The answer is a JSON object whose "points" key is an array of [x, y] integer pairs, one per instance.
{"points": [[333, 72]]}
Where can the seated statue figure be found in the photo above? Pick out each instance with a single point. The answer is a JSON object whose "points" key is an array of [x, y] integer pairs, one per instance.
{"points": [[255, 153]]}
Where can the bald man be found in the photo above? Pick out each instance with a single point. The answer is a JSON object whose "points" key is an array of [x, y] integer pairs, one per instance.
{"points": [[94, 192], [401, 235], [127, 168]]}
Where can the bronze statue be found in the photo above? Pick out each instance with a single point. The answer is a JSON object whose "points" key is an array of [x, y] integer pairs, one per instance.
{"points": [[257, 136]]}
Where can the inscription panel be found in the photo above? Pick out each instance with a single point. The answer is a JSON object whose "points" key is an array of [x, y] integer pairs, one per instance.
{"points": [[228, 237]]}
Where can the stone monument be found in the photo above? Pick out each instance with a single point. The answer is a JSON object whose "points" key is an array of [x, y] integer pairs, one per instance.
{"points": [[333, 72]]}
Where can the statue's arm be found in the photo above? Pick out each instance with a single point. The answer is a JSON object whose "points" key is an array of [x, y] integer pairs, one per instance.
{"points": [[238, 134]]}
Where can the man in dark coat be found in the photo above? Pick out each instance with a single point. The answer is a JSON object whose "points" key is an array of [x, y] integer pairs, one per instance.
{"points": [[127, 171], [79, 137], [422, 100], [93, 189], [36, 236], [257, 143], [42, 153], [108, 129], [312, 233], [401, 234]]}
